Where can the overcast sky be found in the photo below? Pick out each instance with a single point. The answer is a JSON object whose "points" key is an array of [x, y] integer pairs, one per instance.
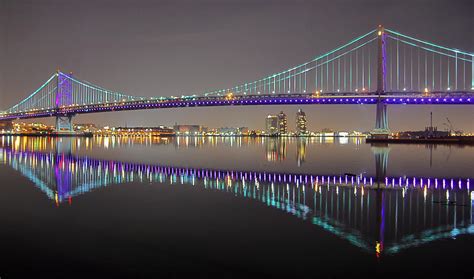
{"points": [[163, 48]]}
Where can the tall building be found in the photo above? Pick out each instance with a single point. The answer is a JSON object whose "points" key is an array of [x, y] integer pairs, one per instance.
{"points": [[301, 128], [271, 125], [282, 123]]}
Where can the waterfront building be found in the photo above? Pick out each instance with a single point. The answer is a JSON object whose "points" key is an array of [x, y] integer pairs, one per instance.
{"points": [[272, 125], [6, 126], [85, 127], [244, 130], [301, 128], [189, 129], [282, 123], [160, 131], [228, 131]]}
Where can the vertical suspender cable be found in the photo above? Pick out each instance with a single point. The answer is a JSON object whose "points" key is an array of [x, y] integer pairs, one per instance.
{"points": [[426, 69], [464, 74], [345, 72], [432, 71], [398, 64], [316, 75], [339, 74], [305, 73], [449, 82], [440, 72], [327, 72], [456, 71], [419, 83], [350, 71], [357, 69], [472, 72], [333, 79], [368, 65], [363, 69], [404, 65], [411, 68], [322, 77]]}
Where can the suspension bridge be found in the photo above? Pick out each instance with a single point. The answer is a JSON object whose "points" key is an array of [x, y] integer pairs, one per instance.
{"points": [[382, 67]]}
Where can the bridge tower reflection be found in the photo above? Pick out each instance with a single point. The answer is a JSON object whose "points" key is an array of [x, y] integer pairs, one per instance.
{"points": [[381, 152]]}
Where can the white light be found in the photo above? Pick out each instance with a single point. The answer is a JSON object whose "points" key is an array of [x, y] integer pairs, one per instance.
{"points": [[404, 89], [449, 88]]}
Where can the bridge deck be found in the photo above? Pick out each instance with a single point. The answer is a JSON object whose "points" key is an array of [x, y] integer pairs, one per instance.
{"points": [[435, 98]]}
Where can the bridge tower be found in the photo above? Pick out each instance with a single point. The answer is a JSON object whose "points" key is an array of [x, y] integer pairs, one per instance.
{"points": [[63, 98], [381, 119]]}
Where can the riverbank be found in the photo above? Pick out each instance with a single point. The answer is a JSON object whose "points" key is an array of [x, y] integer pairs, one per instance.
{"points": [[87, 135], [464, 140]]}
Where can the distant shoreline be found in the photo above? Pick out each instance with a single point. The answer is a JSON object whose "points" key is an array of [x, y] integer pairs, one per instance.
{"points": [[465, 140]]}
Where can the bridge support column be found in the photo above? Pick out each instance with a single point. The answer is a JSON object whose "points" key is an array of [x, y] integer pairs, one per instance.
{"points": [[381, 121], [64, 123]]}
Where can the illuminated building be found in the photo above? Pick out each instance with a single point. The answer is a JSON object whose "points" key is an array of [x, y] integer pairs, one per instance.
{"points": [[6, 125], [301, 123], [31, 128], [282, 123], [228, 131], [145, 131], [326, 132], [88, 127], [244, 130], [189, 129], [271, 125]]}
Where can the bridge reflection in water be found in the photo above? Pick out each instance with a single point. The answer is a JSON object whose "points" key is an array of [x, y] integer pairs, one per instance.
{"points": [[379, 214]]}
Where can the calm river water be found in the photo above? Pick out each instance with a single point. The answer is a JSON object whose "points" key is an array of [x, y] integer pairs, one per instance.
{"points": [[234, 207]]}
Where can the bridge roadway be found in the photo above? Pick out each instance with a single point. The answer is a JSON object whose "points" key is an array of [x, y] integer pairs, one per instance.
{"points": [[408, 98]]}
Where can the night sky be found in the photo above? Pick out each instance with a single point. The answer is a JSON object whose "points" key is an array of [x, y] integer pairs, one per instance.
{"points": [[164, 48]]}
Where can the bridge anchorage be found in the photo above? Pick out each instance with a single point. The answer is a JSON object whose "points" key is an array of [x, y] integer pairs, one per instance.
{"points": [[382, 67]]}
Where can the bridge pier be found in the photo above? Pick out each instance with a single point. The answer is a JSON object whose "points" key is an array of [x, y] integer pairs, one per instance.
{"points": [[381, 121], [64, 123]]}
